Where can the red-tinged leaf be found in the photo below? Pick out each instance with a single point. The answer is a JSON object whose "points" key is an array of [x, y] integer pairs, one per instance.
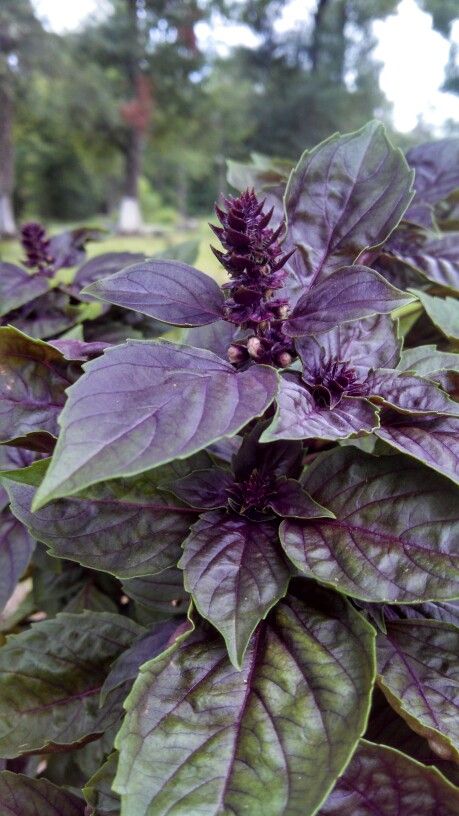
{"points": [[143, 404], [126, 526], [202, 738], [50, 681], [32, 387], [291, 500], [18, 287], [433, 440], [383, 782], [344, 196], [394, 538], [235, 571], [418, 664], [299, 417], [351, 293], [204, 489], [22, 796], [166, 290]]}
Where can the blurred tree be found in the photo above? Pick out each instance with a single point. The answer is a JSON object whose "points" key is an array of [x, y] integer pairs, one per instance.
{"points": [[148, 51], [21, 46], [315, 79], [444, 14]]}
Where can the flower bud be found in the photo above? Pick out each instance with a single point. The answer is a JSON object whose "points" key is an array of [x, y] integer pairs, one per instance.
{"points": [[254, 347], [284, 359], [236, 355]]}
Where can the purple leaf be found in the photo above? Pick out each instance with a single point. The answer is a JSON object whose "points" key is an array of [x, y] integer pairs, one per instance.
{"points": [[299, 417], [382, 782], [125, 527], [214, 337], [291, 500], [18, 287], [344, 196], [104, 265], [283, 458], [235, 571], [368, 343], [12, 459], [22, 796], [393, 538], [50, 681], [46, 316], [68, 248], [126, 666], [433, 440], [78, 349], [437, 258], [162, 593], [436, 166], [160, 402], [414, 395], [203, 489], [166, 290], [351, 293], [387, 728], [32, 388], [270, 739], [418, 667], [16, 548]]}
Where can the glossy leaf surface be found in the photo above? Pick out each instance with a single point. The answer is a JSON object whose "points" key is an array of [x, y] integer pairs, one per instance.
{"points": [[200, 737], [144, 404]]}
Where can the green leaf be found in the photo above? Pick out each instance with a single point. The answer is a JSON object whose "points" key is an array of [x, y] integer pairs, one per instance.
{"points": [[126, 527], [444, 312], [22, 796], [98, 790], [50, 681], [201, 738], [419, 674]]}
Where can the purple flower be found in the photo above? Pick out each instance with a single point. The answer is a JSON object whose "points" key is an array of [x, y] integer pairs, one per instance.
{"points": [[254, 261], [37, 247]]}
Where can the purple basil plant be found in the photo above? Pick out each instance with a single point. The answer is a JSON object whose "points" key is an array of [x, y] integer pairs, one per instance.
{"points": [[229, 562]]}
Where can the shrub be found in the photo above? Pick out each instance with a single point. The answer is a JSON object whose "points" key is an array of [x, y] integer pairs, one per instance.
{"points": [[244, 545]]}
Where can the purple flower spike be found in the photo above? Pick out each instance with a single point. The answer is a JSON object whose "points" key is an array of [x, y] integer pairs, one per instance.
{"points": [[37, 247], [254, 261]]}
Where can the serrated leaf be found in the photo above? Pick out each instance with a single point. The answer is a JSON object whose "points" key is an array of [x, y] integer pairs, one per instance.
{"points": [[235, 571], [418, 664], [383, 782], [166, 290], [50, 681], [22, 796], [124, 526], [394, 538], [202, 738], [167, 402], [351, 293], [344, 196], [428, 361]]}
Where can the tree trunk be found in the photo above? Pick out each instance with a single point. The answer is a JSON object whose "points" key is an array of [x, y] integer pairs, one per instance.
{"points": [[130, 216], [7, 224]]}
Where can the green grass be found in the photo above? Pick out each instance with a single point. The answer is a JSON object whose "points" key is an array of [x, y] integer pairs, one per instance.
{"points": [[148, 244]]}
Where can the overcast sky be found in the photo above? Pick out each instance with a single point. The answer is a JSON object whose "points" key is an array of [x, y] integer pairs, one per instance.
{"points": [[414, 56]]}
